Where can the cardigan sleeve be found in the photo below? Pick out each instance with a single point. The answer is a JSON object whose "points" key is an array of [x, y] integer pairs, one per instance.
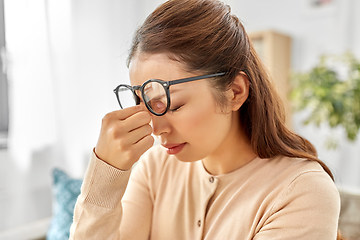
{"points": [[104, 210], [98, 210], [307, 209], [138, 203]]}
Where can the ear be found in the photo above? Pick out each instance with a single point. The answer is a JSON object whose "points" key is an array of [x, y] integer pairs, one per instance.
{"points": [[238, 91]]}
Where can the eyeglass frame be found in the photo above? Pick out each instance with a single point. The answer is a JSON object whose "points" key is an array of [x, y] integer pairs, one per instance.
{"points": [[165, 84]]}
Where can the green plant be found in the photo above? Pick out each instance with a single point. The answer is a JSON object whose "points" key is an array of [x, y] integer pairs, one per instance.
{"points": [[331, 92]]}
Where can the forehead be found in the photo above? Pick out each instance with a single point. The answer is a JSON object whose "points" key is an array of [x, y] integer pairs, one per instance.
{"points": [[155, 66]]}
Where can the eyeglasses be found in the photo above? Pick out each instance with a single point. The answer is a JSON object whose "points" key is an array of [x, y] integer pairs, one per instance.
{"points": [[154, 92]]}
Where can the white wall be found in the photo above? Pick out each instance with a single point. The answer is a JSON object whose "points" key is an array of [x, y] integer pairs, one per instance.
{"points": [[332, 29]]}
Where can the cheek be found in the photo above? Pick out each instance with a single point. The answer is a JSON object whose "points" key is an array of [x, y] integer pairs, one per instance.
{"points": [[199, 119], [200, 123]]}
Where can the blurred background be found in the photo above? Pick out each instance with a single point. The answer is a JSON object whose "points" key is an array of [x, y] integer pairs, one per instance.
{"points": [[61, 59]]}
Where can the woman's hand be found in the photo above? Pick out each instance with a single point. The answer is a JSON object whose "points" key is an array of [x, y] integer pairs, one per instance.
{"points": [[125, 135]]}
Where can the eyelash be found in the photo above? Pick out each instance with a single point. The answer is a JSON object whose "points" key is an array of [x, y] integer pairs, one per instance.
{"points": [[175, 109]]}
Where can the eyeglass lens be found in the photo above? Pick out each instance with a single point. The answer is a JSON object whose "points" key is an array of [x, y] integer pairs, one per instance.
{"points": [[154, 97], [126, 97]]}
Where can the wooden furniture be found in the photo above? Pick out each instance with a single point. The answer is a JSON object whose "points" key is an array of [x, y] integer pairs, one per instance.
{"points": [[274, 49], [349, 222]]}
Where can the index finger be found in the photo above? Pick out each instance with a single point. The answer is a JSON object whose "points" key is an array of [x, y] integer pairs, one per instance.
{"points": [[123, 114]]}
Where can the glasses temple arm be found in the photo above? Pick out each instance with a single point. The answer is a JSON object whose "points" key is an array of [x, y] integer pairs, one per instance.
{"points": [[195, 78]]}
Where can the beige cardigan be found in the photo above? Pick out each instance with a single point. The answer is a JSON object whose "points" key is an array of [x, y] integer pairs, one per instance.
{"points": [[165, 199]]}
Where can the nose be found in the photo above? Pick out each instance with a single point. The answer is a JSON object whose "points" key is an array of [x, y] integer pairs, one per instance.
{"points": [[160, 125]]}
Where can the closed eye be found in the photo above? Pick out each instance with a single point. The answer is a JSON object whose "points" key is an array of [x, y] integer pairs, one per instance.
{"points": [[175, 109]]}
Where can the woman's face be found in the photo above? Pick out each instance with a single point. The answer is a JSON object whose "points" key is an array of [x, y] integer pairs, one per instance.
{"points": [[194, 127]]}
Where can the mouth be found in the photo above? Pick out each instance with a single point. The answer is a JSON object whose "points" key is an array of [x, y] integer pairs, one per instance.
{"points": [[173, 148]]}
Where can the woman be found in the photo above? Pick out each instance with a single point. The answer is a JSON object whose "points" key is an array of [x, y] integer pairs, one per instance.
{"points": [[228, 168]]}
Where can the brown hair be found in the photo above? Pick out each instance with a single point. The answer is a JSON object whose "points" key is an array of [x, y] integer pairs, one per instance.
{"points": [[205, 36]]}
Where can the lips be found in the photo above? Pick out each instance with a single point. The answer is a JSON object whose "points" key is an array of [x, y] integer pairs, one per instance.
{"points": [[173, 148]]}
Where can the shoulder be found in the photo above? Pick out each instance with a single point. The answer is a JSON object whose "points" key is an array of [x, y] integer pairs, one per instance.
{"points": [[286, 170], [286, 181], [298, 174], [299, 195], [305, 185], [292, 165], [300, 200]]}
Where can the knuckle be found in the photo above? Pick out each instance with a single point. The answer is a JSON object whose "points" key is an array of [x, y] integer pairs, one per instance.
{"points": [[112, 131], [107, 119]]}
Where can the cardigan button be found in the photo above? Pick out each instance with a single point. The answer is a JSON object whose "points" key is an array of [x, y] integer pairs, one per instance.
{"points": [[199, 223], [211, 179]]}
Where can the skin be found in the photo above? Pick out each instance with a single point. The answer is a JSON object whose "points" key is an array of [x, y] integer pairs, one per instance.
{"points": [[208, 133]]}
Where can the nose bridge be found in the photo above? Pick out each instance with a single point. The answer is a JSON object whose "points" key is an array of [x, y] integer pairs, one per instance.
{"points": [[160, 124]]}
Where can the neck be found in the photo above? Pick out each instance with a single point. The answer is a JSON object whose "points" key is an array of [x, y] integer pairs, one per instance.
{"points": [[234, 152]]}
